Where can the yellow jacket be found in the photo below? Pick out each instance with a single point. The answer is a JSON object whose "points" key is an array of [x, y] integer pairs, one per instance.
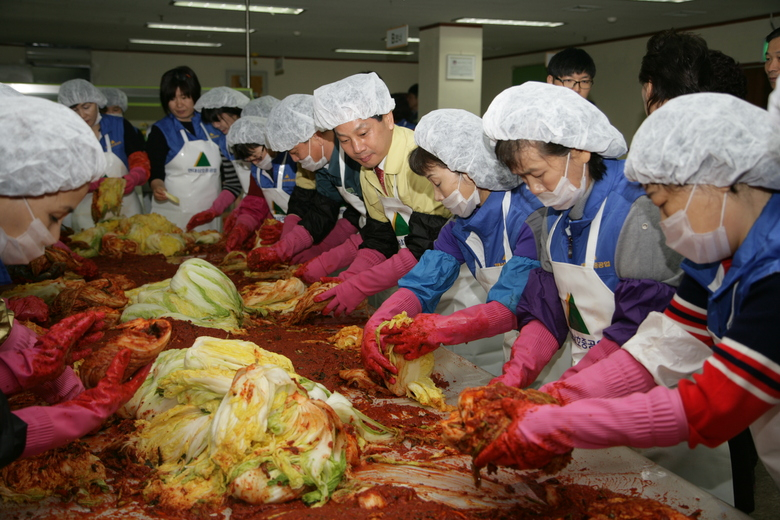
{"points": [[305, 179]]}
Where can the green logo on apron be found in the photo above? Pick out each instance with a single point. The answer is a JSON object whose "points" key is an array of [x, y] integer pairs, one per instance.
{"points": [[277, 210], [575, 318], [202, 160], [400, 226]]}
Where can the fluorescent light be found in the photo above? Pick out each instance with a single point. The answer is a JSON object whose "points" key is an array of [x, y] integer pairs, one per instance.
{"points": [[369, 51], [241, 7], [492, 21], [207, 28], [413, 40], [663, 1], [167, 42]]}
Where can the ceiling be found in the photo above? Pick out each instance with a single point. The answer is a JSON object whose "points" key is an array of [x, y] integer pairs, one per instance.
{"points": [[329, 24]]}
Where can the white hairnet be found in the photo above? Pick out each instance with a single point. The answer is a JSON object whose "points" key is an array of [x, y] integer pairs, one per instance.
{"points": [[357, 97], [221, 97], [552, 114], [7, 90], [704, 138], [774, 115], [247, 130], [77, 91], [115, 98], [260, 107], [46, 148], [290, 122], [455, 136]]}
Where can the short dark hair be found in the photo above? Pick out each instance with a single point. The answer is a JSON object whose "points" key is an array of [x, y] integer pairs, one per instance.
{"points": [[183, 78], [774, 34], [571, 61], [211, 115], [676, 63], [421, 161], [412, 89], [508, 152], [727, 76], [402, 109], [244, 150]]}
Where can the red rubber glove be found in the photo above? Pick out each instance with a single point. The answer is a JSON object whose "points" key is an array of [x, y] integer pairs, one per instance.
{"points": [[218, 207], [600, 351], [656, 418], [52, 426], [271, 233], [329, 261], [370, 352], [263, 259], [531, 351], [30, 308], [237, 237], [429, 331], [230, 221], [25, 364], [198, 219], [135, 177]]}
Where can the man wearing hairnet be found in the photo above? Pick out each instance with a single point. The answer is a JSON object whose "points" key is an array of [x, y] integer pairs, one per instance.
{"points": [[707, 367], [49, 159], [402, 216], [116, 101], [337, 178], [124, 148], [456, 157]]}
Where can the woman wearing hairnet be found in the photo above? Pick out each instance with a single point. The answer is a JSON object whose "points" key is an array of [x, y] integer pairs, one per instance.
{"points": [[116, 101], [706, 161], [124, 148], [451, 143], [315, 228], [186, 158], [49, 159]]}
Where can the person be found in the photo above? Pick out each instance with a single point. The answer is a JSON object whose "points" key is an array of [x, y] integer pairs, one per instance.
{"points": [[727, 76], [260, 107], [116, 101], [186, 161], [706, 367], [124, 148], [675, 63], [402, 217], [50, 158], [315, 227], [450, 142], [772, 57], [412, 100], [402, 113], [272, 181], [572, 68]]}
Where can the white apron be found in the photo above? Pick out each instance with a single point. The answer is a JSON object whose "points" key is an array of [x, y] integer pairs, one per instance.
{"points": [[398, 214], [351, 199], [196, 186], [244, 172], [766, 432], [131, 204], [276, 197]]}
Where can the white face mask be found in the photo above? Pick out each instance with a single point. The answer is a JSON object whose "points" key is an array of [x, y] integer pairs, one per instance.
{"points": [[312, 165], [265, 162], [460, 205], [28, 246], [702, 248], [565, 195]]}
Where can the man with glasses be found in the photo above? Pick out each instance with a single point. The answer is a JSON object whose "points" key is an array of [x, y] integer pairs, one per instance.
{"points": [[574, 69]]}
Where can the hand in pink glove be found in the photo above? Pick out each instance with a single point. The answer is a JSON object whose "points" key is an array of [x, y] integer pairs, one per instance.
{"points": [[296, 240], [429, 331], [290, 222], [230, 221], [340, 233], [94, 185], [52, 426], [263, 259], [345, 299], [371, 353], [365, 259], [30, 308], [600, 351], [198, 219], [330, 261], [237, 237], [135, 177], [218, 207], [271, 233], [531, 351], [538, 432]]}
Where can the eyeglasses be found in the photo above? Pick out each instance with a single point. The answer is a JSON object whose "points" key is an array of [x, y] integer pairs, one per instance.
{"points": [[257, 154], [584, 84]]}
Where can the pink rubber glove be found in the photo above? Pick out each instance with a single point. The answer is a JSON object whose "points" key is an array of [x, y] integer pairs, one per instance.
{"points": [[237, 237], [429, 331], [30, 308], [329, 261], [337, 236], [271, 233], [218, 207], [600, 351], [373, 358], [52, 426], [365, 259], [616, 376], [531, 351], [135, 177], [348, 295], [537, 433], [94, 185], [229, 222], [290, 222], [65, 387], [263, 258], [27, 361], [252, 211]]}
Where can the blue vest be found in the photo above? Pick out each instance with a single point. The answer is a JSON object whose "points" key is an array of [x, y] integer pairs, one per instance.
{"points": [[221, 140], [114, 126], [621, 195], [288, 181], [5, 278], [170, 127], [757, 258]]}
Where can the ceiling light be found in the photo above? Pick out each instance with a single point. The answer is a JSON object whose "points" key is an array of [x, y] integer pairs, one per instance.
{"points": [[492, 21], [663, 1], [369, 51], [241, 7], [207, 28], [408, 40], [166, 42]]}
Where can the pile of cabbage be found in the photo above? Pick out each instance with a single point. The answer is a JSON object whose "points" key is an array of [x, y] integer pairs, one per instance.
{"points": [[199, 293], [227, 418]]}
